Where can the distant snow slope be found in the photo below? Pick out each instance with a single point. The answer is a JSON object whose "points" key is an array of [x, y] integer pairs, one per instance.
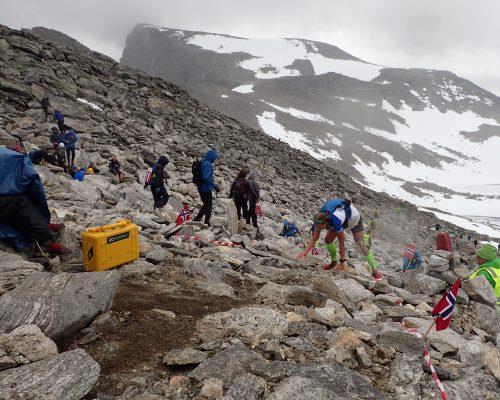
{"points": [[425, 136]]}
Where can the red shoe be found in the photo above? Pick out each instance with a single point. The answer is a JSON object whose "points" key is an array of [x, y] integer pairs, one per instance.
{"points": [[54, 248], [56, 228], [328, 267], [377, 275]]}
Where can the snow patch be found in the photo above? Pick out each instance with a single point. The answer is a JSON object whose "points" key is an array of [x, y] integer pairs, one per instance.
{"points": [[244, 89], [271, 58], [88, 103], [301, 114]]}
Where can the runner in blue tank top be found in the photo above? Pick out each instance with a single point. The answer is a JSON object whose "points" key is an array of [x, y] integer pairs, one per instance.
{"points": [[336, 216]]}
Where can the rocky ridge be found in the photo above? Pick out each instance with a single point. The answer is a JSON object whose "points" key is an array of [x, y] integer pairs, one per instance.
{"points": [[228, 314]]}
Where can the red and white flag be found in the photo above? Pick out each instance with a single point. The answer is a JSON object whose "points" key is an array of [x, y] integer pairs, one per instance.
{"points": [[444, 308]]}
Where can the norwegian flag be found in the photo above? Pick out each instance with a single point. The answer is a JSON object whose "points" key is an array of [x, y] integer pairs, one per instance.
{"points": [[183, 216], [444, 308]]}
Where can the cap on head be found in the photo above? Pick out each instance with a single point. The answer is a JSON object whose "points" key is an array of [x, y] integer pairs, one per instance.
{"points": [[488, 252]]}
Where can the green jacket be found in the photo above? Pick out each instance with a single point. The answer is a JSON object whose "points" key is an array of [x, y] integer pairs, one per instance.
{"points": [[490, 270]]}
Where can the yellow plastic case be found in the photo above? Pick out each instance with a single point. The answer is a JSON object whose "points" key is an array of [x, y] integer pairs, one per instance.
{"points": [[106, 247]]}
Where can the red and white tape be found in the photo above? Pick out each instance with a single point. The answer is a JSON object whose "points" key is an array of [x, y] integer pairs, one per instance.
{"points": [[428, 361]]}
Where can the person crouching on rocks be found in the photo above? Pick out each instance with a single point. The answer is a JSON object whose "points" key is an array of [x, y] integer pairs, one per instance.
{"points": [[335, 216], [157, 183], [489, 267], [115, 168]]}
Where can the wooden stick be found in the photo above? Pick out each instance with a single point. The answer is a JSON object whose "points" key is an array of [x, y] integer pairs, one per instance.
{"points": [[428, 330]]}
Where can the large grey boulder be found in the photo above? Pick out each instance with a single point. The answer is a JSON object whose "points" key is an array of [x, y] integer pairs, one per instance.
{"points": [[227, 364], [60, 304], [487, 318], [480, 289], [68, 376], [324, 382], [24, 345], [14, 269], [347, 292], [294, 295], [232, 217], [184, 357], [246, 324], [425, 284], [404, 342], [405, 377]]}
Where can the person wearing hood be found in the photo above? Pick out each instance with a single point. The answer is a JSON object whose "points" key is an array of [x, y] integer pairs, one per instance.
{"points": [[157, 182], [489, 267], [253, 198], [207, 185]]}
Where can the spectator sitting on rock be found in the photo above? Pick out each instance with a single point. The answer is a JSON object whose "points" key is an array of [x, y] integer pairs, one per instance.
{"points": [[24, 213], [489, 267], [114, 167]]}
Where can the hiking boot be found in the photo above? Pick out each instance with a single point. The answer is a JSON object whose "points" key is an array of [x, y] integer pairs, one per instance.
{"points": [[56, 228], [54, 249], [377, 275], [328, 267]]}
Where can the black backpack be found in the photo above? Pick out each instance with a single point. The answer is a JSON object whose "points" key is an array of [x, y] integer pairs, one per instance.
{"points": [[196, 170], [240, 188]]}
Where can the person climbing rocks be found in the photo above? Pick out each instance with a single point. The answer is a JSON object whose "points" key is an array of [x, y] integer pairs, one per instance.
{"points": [[59, 118], [43, 155], [156, 180], [24, 213], [489, 266], [69, 139], [239, 194], [253, 199], [55, 137], [115, 168], [45, 105], [207, 185], [289, 229], [335, 216]]}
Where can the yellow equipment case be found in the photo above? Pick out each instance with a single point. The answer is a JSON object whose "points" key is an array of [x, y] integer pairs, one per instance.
{"points": [[105, 247]]}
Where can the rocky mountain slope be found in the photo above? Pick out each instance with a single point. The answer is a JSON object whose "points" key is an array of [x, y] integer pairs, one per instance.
{"points": [[52, 35], [426, 136], [214, 312]]}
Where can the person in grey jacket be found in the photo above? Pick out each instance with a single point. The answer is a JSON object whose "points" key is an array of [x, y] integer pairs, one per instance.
{"points": [[253, 198]]}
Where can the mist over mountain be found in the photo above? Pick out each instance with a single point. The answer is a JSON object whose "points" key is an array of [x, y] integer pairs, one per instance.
{"points": [[421, 135]]}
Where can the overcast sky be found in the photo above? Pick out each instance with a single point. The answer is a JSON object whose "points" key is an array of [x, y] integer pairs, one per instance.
{"points": [[457, 35]]}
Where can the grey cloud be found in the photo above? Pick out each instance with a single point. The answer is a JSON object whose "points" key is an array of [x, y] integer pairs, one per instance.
{"points": [[457, 35]]}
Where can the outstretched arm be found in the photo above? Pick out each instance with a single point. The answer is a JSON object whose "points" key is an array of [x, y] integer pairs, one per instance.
{"points": [[310, 245]]}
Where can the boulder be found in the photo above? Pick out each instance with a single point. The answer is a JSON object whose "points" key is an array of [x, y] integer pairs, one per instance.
{"points": [[405, 377], [347, 292], [231, 217], [437, 263], [227, 364], [480, 289], [68, 376], [219, 289], [245, 323], [403, 342], [184, 357], [445, 341], [487, 318], [427, 285], [13, 270], [157, 256], [60, 304], [294, 295], [24, 345], [246, 386], [324, 382]]}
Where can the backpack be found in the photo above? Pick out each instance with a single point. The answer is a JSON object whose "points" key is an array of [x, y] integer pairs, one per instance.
{"points": [[150, 175], [196, 170], [240, 188]]}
